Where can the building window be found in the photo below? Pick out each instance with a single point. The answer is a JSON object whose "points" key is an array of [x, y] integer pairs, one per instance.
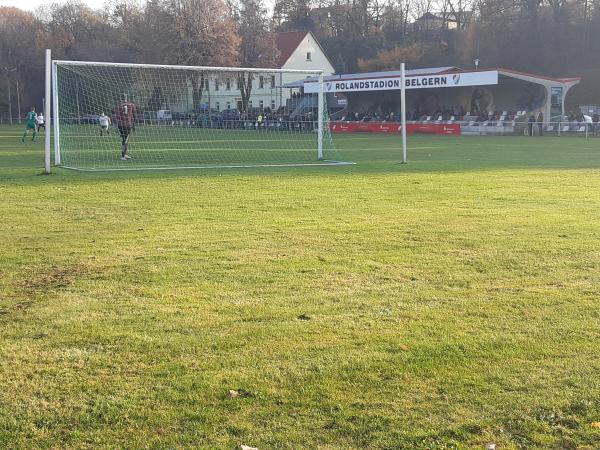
{"points": [[216, 85], [272, 81], [308, 56], [218, 106], [206, 84], [260, 105], [239, 84], [228, 105], [261, 82], [250, 104], [272, 105], [228, 84]]}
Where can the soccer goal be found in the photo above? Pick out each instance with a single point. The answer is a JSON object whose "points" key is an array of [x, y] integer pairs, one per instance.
{"points": [[114, 116]]}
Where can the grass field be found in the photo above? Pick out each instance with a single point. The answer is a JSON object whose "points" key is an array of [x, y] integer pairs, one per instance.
{"points": [[83, 148], [445, 303]]}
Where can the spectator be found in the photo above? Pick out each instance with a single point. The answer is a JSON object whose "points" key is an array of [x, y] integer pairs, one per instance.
{"points": [[531, 122], [458, 111], [589, 122], [540, 121]]}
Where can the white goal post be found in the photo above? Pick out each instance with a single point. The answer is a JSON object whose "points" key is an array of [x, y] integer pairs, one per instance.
{"points": [[169, 117], [403, 109]]}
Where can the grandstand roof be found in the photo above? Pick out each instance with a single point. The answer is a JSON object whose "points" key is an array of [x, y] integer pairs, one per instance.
{"points": [[535, 77], [531, 77]]}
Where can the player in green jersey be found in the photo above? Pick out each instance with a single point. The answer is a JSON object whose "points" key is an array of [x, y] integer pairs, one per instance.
{"points": [[31, 123]]}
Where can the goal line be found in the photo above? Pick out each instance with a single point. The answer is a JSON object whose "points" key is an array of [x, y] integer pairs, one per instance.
{"points": [[233, 166]]}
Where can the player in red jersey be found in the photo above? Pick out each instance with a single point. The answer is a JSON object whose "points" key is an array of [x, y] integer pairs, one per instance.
{"points": [[125, 116]]}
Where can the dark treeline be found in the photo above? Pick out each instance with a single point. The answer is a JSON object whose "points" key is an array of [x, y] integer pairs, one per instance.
{"points": [[553, 37]]}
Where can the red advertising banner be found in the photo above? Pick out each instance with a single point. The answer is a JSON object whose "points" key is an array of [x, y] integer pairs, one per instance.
{"points": [[394, 127]]}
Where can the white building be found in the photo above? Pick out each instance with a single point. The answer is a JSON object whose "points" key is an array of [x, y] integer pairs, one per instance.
{"points": [[299, 50]]}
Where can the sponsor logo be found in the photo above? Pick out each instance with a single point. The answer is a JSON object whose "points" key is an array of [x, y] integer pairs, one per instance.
{"points": [[456, 78]]}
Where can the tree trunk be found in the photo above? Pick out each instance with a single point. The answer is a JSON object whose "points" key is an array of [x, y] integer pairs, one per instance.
{"points": [[245, 89], [197, 89]]}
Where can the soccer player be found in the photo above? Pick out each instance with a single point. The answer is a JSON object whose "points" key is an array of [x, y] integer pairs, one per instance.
{"points": [[125, 118], [104, 121], [30, 125], [40, 122]]}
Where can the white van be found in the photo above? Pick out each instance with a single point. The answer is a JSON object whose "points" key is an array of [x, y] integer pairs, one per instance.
{"points": [[164, 115]]}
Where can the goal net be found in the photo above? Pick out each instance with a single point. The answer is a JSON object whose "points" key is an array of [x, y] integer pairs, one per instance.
{"points": [[129, 116]]}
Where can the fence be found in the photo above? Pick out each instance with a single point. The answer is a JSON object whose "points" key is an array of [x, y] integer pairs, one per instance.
{"points": [[11, 120], [511, 128], [462, 127], [470, 126], [4, 121]]}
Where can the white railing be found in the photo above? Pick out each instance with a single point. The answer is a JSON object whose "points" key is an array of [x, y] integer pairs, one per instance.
{"points": [[519, 126], [525, 128], [5, 120]]}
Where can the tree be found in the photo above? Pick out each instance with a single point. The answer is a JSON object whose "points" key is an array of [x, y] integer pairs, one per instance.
{"points": [[80, 32], [293, 14], [20, 57], [197, 33], [391, 59], [258, 46], [395, 21]]}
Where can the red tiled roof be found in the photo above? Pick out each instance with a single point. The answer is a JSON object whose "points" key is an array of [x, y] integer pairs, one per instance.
{"points": [[287, 42]]}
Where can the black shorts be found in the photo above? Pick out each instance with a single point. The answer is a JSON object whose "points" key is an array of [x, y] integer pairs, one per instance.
{"points": [[124, 132]]}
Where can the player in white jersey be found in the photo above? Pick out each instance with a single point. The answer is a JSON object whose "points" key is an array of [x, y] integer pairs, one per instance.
{"points": [[40, 122], [104, 122]]}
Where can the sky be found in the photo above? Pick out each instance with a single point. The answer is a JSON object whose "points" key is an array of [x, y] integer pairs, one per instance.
{"points": [[31, 5]]}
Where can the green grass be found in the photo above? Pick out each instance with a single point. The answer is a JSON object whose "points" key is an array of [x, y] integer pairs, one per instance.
{"points": [[172, 147], [445, 303]]}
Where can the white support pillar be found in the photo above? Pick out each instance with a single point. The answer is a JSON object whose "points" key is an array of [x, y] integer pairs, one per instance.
{"points": [[320, 119], [403, 107], [55, 122], [47, 114], [547, 109]]}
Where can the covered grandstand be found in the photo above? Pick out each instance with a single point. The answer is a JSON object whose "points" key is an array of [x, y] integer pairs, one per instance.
{"points": [[470, 100]]}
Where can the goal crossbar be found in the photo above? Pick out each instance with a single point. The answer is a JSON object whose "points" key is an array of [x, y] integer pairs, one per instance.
{"points": [[198, 68]]}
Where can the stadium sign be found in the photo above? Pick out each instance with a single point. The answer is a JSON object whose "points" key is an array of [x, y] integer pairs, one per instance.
{"points": [[462, 79]]}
